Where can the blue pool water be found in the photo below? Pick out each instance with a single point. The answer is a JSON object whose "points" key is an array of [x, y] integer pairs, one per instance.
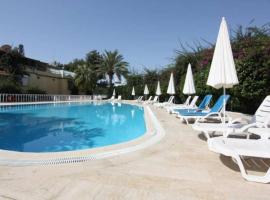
{"points": [[66, 127]]}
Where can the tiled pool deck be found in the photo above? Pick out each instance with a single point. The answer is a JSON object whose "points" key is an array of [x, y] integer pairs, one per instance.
{"points": [[180, 166]]}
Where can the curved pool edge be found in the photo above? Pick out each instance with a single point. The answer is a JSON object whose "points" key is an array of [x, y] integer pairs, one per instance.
{"points": [[154, 133]]}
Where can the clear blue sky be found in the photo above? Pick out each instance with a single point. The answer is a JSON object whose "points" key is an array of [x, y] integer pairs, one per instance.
{"points": [[146, 32]]}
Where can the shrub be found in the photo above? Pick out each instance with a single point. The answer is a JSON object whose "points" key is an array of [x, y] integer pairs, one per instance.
{"points": [[9, 86], [72, 87], [251, 50]]}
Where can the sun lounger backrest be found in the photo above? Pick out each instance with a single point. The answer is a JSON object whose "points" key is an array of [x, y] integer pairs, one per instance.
{"points": [[262, 114], [219, 103], [205, 102], [150, 98], [155, 99], [119, 97], [187, 101], [171, 99], [193, 102], [139, 98]]}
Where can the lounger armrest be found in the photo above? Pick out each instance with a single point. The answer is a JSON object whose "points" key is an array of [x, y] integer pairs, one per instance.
{"points": [[211, 114], [246, 127], [240, 119], [240, 130], [208, 116]]}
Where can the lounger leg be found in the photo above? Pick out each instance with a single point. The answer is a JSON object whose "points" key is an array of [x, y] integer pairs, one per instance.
{"points": [[206, 134], [259, 179], [186, 120]]}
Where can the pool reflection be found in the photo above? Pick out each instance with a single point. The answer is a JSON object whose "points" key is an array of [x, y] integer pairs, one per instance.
{"points": [[68, 127]]}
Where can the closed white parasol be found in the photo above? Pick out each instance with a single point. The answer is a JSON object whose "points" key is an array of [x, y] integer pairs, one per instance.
{"points": [[222, 72], [146, 91], [158, 90], [189, 87], [171, 89], [133, 91]]}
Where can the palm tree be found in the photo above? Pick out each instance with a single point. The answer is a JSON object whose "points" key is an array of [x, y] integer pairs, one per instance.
{"points": [[113, 63], [85, 79]]}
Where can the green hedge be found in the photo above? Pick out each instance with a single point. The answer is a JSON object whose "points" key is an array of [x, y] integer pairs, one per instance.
{"points": [[251, 50], [9, 86]]}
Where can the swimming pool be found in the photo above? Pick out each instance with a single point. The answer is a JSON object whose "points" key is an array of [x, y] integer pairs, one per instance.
{"points": [[68, 126]]}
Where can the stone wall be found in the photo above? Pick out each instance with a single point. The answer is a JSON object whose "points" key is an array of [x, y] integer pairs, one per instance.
{"points": [[51, 83], [40, 74]]}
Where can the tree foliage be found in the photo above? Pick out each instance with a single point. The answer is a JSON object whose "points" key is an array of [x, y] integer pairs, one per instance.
{"points": [[113, 63], [73, 65], [8, 85], [251, 50], [86, 72], [85, 79], [10, 62]]}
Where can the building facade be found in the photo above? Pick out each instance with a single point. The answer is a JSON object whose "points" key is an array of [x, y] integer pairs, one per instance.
{"points": [[41, 75]]}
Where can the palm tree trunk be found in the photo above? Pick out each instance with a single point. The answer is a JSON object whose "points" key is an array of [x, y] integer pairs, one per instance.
{"points": [[110, 77]]}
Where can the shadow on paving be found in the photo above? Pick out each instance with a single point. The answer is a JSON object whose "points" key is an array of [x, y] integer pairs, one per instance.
{"points": [[251, 164]]}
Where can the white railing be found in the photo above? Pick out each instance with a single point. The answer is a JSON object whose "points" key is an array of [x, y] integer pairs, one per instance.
{"points": [[13, 98]]}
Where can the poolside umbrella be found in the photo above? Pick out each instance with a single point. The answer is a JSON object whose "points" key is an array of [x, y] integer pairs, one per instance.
{"points": [[222, 72], [113, 92], [146, 91], [189, 87], [133, 91], [171, 89], [158, 90]]}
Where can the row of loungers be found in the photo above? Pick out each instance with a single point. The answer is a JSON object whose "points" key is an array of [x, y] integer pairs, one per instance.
{"points": [[150, 100], [119, 98], [222, 136]]}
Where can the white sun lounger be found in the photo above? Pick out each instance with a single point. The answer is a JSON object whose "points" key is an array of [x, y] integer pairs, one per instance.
{"points": [[119, 98], [139, 99], [148, 100], [214, 113], [237, 148], [264, 133], [237, 127], [155, 100], [169, 102], [185, 105], [112, 98]]}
